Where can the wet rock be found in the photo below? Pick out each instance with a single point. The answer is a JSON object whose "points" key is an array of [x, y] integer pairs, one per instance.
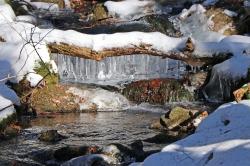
{"points": [[175, 118], [12, 131], [157, 91], [156, 125], [69, 152], [50, 136], [161, 23], [166, 137], [92, 160], [121, 153], [42, 156]]}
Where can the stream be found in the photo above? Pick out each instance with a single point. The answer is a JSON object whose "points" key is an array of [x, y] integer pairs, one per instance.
{"points": [[99, 128]]}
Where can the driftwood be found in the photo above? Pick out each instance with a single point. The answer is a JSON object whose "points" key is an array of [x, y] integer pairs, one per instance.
{"points": [[185, 55]]}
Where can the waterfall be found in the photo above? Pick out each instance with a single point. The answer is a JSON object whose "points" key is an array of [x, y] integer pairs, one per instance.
{"points": [[117, 70]]}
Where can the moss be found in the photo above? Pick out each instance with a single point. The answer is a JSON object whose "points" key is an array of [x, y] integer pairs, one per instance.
{"points": [[100, 12], [5, 122], [42, 69], [53, 98]]}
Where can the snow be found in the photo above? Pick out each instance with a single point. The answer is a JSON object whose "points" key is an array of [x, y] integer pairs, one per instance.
{"points": [[18, 55], [27, 18], [197, 8], [9, 108], [210, 2], [230, 13], [129, 9], [247, 3], [8, 94], [7, 98], [45, 6], [100, 42], [18, 60], [221, 139], [6, 13], [34, 79]]}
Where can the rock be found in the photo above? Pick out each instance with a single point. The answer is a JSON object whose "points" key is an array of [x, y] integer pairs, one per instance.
{"points": [[69, 152], [165, 137], [100, 12], [157, 91], [92, 160], [156, 125], [2, 39], [160, 23], [221, 22], [42, 155], [126, 154], [239, 93], [175, 117], [50, 136]]}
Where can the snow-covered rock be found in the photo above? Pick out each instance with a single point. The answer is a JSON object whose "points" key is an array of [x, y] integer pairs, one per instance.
{"points": [[34, 79], [128, 9], [221, 139]]}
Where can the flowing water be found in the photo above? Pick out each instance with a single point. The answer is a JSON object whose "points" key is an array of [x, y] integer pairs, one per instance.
{"points": [[99, 129]]}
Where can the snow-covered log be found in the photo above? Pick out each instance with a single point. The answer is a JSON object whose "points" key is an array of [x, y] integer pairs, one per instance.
{"points": [[97, 47]]}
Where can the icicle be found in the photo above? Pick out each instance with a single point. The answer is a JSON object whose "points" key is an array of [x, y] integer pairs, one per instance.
{"points": [[117, 70]]}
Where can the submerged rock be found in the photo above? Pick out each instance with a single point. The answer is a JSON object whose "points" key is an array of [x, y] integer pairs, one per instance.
{"points": [[50, 136]]}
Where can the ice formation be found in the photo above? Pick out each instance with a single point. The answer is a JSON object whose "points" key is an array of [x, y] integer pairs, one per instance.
{"points": [[114, 70]]}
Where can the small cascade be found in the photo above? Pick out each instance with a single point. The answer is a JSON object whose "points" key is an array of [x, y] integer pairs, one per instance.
{"points": [[117, 70]]}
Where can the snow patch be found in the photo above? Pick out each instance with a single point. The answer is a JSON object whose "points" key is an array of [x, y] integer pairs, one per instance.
{"points": [[129, 9], [6, 14], [34, 79], [221, 139]]}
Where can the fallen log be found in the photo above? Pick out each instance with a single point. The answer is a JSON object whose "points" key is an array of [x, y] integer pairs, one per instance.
{"points": [[186, 55]]}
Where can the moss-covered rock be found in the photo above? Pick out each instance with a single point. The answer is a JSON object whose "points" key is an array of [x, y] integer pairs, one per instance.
{"points": [[175, 117], [50, 136], [44, 69], [7, 121], [100, 12], [157, 91]]}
